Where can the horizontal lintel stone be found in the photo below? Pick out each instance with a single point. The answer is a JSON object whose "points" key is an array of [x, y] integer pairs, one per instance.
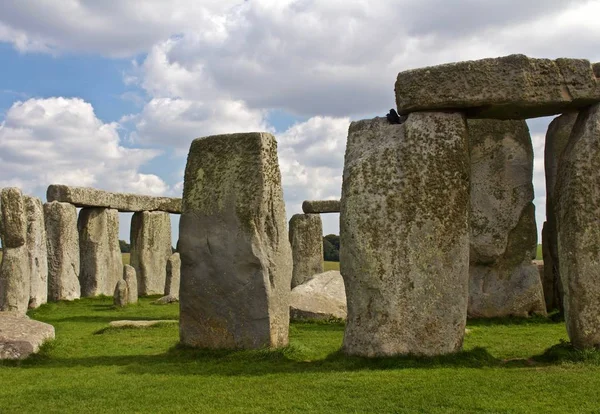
{"points": [[321, 206]]}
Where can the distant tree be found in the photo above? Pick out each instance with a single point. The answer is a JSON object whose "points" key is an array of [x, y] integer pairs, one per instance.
{"points": [[331, 248], [125, 247]]}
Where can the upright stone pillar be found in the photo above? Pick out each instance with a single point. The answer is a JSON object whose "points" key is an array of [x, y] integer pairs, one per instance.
{"points": [[306, 238], [577, 207], [150, 249], [37, 251], [235, 253], [503, 279], [404, 239], [15, 279], [101, 265], [557, 138], [63, 251], [173, 276]]}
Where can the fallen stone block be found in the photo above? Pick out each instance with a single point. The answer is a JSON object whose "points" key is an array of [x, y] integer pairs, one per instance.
{"points": [[21, 336], [323, 297], [140, 324]]}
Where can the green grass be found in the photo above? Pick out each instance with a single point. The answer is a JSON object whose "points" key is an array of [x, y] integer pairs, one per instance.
{"points": [[539, 255], [509, 365], [327, 266]]}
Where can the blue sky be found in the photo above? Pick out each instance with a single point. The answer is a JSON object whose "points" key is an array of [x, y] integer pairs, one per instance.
{"points": [[110, 94]]}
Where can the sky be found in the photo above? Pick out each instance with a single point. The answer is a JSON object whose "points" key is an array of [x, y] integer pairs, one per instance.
{"points": [[110, 94]]}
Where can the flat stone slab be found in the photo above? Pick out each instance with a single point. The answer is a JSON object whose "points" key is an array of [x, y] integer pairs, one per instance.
{"points": [[321, 206], [140, 324], [91, 197], [510, 87], [323, 297], [21, 336], [166, 299]]}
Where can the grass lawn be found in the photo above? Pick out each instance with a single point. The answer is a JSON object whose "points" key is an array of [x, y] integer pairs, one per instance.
{"points": [[90, 368]]}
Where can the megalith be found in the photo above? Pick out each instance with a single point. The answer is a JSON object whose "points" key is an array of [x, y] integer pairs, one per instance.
{"points": [[63, 251], [121, 294], [557, 138], [131, 280], [101, 265], [173, 275], [404, 238], [37, 251], [150, 249], [306, 238], [15, 279], [577, 207], [236, 264], [503, 279]]}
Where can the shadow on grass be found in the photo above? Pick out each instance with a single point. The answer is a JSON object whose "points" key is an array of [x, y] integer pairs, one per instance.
{"points": [[554, 318]]}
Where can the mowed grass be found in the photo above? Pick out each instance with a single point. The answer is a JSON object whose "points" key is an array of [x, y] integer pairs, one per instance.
{"points": [[90, 368], [327, 266]]}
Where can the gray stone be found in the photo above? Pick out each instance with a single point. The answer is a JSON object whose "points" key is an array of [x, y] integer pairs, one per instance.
{"points": [[321, 206], [21, 336], [101, 265], [510, 87], [131, 280], [173, 275], [150, 250], [323, 297], [404, 240], [577, 197], [63, 251], [91, 197], [140, 324], [306, 238], [14, 221], [121, 294], [14, 280], [557, 139], [235, 253], [37, 252], [503, 282], [166, 299]]}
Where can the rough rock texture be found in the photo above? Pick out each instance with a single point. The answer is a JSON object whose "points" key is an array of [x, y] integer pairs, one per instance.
{"points": [[101, 263], [404, 235], [131, 280], [306, 238], [321, 206], [322, 297], [21, 336], [173, 275], [577, 208], [510, 87], [91, 197], [166, 299], [63, 251], [235, 254], [557, 138], [140, 324], [150, 250], [503, 281], [121, 294], [14, 221], [37, 252]]}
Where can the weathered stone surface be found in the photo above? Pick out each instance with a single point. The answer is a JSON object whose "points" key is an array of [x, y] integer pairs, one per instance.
{"points": [[322, 297], [21, 336], [91, 197], [101, 263], [557, 138], [63, 251], [131, 280], [150, 250], [173, 275], [14, 221], [140, 324], [321, 206], [14, 280], [510, 87], [37, 252], [166, 299], [503, 282], [306, 238], [404, 241], [235, 253], [121, 294], [577, 208]]}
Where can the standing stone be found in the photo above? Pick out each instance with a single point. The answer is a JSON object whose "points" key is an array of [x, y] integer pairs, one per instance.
{"points": [[503, 280], [121, 294], [63, 251], [150, 250], [306, 238], [131, 280], [101, 266], [557, 138], [577, 207], [173, 275], [235, 253], [404, 240], [15, 279], [37, 252]]}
